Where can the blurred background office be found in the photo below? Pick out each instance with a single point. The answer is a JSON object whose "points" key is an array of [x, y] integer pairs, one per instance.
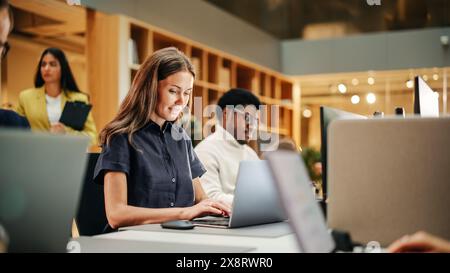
{"points": [[358, 56]]}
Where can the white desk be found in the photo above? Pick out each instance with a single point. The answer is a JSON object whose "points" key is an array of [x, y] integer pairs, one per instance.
{"points": [[162, 240]]}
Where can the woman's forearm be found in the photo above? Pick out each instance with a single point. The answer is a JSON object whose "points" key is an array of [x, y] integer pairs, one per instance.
{"points": [[125, 215], [120, 214], [200, 194]]}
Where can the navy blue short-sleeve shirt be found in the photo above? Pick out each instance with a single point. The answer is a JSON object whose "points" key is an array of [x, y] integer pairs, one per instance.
{"points": [[159, 168]]}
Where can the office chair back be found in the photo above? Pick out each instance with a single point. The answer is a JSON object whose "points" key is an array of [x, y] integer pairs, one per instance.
{"points": [[91, 216]]}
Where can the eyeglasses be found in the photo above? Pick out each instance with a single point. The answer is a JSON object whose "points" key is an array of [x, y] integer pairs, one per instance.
{"points": [[249, 118], [5, 49]]}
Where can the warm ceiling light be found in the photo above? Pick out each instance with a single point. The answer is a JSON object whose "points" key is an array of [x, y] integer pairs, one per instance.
{"points": [[355, 82], [371, 80], [342, 88], [355, 99], [410, 84], [371, 98], [307, 113]]}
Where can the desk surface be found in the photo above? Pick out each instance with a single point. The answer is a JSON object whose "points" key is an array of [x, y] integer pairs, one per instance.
{"points": [[271, 230], [169, 241], [105, 245]]}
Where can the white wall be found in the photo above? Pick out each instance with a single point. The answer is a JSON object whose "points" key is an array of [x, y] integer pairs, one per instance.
{"points": [[201, 22], [379, 51]]}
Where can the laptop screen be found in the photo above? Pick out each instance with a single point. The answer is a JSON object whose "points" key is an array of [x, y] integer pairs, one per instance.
{"points": [[297, 196]]}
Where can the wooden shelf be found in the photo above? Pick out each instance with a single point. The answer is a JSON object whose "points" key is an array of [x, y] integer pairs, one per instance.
{"points": [[269, 100], [212, 86], [162, 41], [198, 59], [216, 71], [246, 77], [280, 131], [226, 73], [287, 105], [213, 68], [138, 48], [282, 103]]}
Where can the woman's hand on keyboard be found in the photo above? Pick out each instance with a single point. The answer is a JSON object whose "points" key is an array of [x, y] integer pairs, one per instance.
{"points": [[206, 207]]}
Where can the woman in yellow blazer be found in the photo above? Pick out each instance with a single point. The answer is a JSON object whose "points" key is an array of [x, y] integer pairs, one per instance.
{"points": [[54, 86]]}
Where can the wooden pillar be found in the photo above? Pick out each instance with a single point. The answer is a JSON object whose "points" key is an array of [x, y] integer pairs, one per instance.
{"points": [[108, 74], [297, 116]]}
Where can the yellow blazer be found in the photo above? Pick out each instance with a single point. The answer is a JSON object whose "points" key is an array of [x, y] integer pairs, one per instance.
{"points": [[33, 106]]}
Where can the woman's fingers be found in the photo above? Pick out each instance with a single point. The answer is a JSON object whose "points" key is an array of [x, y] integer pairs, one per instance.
{"points": [[214, 210], [419, 242], [222, 207], [397, 245], [227, 205], [215, 207], [411, 246]]}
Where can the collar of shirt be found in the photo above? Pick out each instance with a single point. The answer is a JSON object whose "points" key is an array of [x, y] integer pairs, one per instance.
{"points": [[50, 99], [154, 127]]}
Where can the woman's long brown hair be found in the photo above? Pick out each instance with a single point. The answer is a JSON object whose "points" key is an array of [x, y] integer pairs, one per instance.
{"points": [[140, 102]]}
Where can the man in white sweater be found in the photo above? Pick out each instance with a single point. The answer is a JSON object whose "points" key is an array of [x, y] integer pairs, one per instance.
{"points": [[222, 151]]}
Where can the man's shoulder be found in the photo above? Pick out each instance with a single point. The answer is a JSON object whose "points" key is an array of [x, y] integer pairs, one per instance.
{"points": [[251, 153], [8, 113], [209, 144], [12, 119]]}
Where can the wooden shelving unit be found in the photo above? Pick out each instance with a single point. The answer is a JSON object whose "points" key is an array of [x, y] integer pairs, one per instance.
{"points": [[216, 72]]}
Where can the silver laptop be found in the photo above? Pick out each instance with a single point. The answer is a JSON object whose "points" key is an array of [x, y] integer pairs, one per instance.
{"points": [[305, 215], [255, 200], [40, 180], [389, 177]]}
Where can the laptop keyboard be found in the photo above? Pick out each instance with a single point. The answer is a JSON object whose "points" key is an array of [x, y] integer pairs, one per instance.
{"points": [[216, 222]]}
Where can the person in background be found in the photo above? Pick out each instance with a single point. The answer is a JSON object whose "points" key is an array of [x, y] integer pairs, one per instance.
{"points": [[222, 151], [148, 166], [54, 85], [8, 118]]}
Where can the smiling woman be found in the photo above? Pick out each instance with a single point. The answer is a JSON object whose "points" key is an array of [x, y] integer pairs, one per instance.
{"points": [[148, 167], [173, 96]]}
